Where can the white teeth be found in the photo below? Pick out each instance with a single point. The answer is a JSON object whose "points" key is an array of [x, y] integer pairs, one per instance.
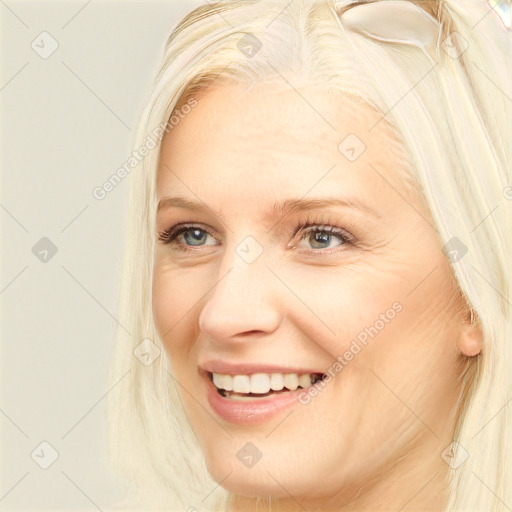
{"points": [[276, 381], [228, 383], [241, 384], [291, 381], [305, 380], [218, 380], [223, 381], [261, 383]]}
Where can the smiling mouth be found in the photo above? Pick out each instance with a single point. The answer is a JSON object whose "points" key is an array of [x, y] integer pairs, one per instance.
{"points": [[261, 385]]}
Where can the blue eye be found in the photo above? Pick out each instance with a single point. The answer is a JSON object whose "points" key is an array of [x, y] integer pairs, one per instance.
{"points": [[319, 236], [193, 236]]}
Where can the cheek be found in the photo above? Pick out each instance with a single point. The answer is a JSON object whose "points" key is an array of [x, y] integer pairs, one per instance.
{"points": [[390, 318], [173, 300], [413, 356], [164, 304], [356, 303]]}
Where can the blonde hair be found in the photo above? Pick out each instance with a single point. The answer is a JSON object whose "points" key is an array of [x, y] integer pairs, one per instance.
{"points": [[454, 120]]}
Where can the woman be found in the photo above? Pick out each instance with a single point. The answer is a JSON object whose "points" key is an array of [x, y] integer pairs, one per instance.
{"points": [[317, 277]]}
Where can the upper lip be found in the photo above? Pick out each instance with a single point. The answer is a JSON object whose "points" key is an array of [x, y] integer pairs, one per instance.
{"points": [[232, 368]]}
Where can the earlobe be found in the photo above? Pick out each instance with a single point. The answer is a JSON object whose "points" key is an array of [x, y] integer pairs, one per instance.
{"points": [[471, 338]]}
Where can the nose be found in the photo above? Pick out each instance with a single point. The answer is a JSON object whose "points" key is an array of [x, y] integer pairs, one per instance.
{"points": [[244, 300]]}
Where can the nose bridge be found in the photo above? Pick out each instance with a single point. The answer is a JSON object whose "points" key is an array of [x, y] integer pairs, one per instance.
{"points": [[243, 298]]}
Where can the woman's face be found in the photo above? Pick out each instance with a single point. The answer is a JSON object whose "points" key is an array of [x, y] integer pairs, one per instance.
{"points": [[360, 294]]}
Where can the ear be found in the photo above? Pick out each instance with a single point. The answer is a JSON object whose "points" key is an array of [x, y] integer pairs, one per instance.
{"points": [[471, 340]]}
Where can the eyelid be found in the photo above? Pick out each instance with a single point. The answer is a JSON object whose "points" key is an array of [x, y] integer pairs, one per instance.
{"points": [[330, 221], [314, 227]]}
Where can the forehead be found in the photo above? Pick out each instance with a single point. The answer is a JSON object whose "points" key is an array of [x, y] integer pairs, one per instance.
{"points": [[274, 108], [276, 139]]}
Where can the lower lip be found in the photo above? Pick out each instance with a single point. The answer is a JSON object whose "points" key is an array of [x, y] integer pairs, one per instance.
{"points": [[249, 412]]}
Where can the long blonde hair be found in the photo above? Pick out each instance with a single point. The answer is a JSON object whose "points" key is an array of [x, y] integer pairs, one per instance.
{"points": [[454, 120]]}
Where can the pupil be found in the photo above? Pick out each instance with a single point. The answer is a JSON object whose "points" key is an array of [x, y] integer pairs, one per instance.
{"points": [[196, 233], [321, 237]]}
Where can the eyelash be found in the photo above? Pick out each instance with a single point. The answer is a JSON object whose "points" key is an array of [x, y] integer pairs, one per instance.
{"points": [[309, 227]]}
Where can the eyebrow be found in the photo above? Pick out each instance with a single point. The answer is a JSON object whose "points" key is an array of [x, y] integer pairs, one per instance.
{"points": [[277, 209]]}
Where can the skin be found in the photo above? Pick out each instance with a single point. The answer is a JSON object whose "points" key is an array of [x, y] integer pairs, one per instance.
{"points": [[372, 439]]}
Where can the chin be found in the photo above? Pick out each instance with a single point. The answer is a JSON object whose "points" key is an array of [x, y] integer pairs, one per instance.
{"points": [[250, 482]]}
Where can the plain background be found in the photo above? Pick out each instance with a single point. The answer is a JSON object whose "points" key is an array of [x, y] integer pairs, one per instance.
{"points": [[67, 123]]}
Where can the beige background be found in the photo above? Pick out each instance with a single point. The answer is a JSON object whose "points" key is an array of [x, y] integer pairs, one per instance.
{"points": [[67, 123]]}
